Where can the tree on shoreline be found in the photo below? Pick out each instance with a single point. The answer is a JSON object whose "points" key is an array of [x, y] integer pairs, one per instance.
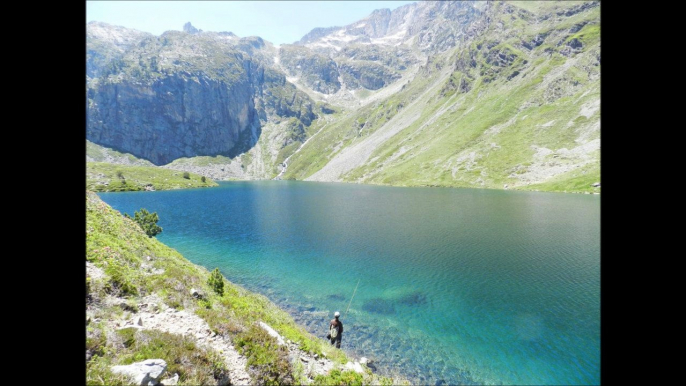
{"points": [[216, 281], [147, 221]]}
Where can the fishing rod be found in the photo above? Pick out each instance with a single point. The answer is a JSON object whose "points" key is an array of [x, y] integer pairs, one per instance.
{"points": [[351, 299]]}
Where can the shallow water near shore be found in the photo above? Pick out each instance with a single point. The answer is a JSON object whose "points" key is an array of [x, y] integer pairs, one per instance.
{"points": [[456, 286]]}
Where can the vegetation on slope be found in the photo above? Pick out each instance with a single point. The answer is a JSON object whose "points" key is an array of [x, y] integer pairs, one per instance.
{"points": [[136, 268], [514, 106], [97, 153], [105, 177]]}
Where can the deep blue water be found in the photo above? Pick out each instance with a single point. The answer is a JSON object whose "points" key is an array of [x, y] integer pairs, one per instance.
{"points": [[455, 285]]}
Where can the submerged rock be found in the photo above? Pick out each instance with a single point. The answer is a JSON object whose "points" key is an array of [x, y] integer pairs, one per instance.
{"points": [[336, 297], [413, 299], [379, 306]]}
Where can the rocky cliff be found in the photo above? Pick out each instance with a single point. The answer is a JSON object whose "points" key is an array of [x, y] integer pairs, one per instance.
{"points": [[186, 94]]}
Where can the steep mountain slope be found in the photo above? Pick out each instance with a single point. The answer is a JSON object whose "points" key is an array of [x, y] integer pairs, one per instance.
{"points": [[515, 103], [187, 94], [447, 93]]}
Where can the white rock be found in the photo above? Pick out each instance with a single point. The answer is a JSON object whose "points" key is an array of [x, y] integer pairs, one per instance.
{"points": [[273, 333], [356, 366], [147, 372], [171, 381]]}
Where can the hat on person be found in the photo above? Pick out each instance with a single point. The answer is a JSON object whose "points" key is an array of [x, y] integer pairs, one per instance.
{"points": [[337, 314]]}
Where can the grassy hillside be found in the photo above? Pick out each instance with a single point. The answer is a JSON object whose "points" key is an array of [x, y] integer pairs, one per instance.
{"points": [[105, 177], [136, 269], [517, 105], [97, 153]]}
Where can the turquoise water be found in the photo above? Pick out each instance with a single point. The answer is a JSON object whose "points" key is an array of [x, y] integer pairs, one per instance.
{"points": [[456, 286]]}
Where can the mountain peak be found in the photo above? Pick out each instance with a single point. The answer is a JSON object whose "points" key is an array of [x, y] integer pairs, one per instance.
{"points": [[188, 28]]}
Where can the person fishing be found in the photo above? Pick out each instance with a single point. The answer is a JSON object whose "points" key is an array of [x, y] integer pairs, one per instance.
{"points": [[336, 330]]}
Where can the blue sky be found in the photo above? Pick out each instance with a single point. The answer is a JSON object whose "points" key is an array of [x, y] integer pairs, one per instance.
{"points": [[275, 21]]}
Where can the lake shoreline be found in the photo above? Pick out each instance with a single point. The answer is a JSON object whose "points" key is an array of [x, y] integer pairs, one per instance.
{"points": [[424, 257]]}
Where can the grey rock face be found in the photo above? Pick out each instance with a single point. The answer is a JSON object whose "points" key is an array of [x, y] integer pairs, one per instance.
{"points": [[369, 75], [318, 71], [146, 373], [188, 94], [188, 28], [175, 116], [316, 34]]}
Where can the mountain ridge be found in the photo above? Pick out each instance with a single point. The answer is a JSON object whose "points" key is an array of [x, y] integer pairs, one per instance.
{"points": [[449, 54]]}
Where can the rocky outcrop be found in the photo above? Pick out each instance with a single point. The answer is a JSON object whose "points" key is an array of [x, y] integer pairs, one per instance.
{"points": [[316, 71], [366, 74], [105, 43], [189, 29], [147, 372], [316, 34]]}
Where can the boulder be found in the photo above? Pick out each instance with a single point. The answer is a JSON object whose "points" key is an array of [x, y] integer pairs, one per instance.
{"points": [[596, 185], [171, 381], [147, 372], [196, 293], [355, 366]]}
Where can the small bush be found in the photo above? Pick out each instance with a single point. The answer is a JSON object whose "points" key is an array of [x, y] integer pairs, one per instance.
{"points": [[127, 335], [119, 283], [95, 343], [120, 174], [147, 221], [216, 282], [203, 179], [336, 377], [267, 360], [186, 175]]}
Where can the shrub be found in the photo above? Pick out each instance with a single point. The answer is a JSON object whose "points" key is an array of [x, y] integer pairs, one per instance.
{"points": [[202, 179], [147, 221], [186, 175], [336, 377], [195, 364], [120, 282], [267, 360], [120, 174], [216, 282]]}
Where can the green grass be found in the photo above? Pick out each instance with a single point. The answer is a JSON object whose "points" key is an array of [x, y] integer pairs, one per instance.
{"points": [[346, 130], [336, 377], [588, 35], [464, 129], [201, 161], [195, 365], [105, 177], [265, 356], [575, 181], [101, 154], [119, 247]]}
